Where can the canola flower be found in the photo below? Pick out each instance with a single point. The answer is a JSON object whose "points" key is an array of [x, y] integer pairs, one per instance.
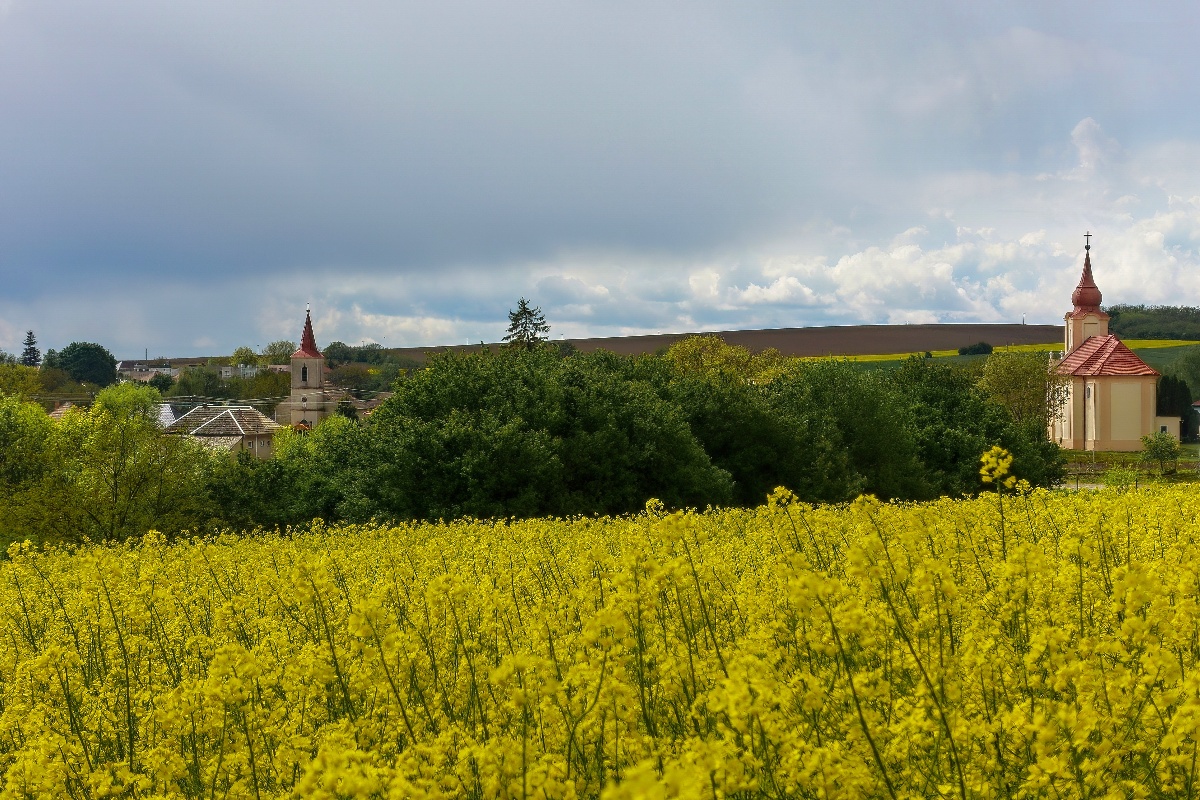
{"points": [[864, 650]]}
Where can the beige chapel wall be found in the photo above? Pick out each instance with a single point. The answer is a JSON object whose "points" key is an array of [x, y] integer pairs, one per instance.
{"points": [[1125, 411]]}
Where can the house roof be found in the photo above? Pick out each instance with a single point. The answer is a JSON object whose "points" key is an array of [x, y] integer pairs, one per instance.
{"points": [[1103, 355], [308, 342], [224, 421]]}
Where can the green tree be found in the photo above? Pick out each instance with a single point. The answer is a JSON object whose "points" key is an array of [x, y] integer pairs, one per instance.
{"points": [[25, 459], [121, 476], [954, 421], [1161, 447], [527, 326], [200, 382], [19, 381], [337, 353], [31, 356], [1024, 385], [244, 355], [162, 382], [279, 352], [524, 432], [88, 362]]}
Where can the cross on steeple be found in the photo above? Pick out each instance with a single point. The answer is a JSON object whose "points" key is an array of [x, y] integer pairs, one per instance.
{"points": [[1087, 239]]}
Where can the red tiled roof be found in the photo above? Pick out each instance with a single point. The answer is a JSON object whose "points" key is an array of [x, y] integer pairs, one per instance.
{"points": [[308, 342], [1103, 355]]}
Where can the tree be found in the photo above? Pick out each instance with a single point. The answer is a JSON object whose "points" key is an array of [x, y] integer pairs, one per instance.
{"points": [[31, 356], [1160, 447], [19, 381], [279, 352], [337, 353], [121, 476], [1024, 384], [162, 382], [244, 355], [88, 362], [954, 421], [1175, 400], [527, 327]]}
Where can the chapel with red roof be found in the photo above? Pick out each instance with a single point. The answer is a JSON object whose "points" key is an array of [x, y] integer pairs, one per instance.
{"points": [[1111, 393]]}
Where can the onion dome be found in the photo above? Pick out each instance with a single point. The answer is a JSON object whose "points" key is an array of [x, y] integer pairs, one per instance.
{"points": [[1086, 296]]}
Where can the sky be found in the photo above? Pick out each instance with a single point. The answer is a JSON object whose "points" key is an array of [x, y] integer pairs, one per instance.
{"points": [[183, 178]]}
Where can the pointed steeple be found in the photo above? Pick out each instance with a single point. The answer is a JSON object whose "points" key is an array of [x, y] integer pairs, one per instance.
{"points": [[308, 342], [1086, 297]]}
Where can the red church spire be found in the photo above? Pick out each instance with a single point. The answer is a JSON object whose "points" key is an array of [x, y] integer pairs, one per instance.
{"points": [[1086, 297], [308, 342]]}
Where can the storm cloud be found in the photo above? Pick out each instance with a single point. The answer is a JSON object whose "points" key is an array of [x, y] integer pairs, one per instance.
{"points": [[185, 177]]}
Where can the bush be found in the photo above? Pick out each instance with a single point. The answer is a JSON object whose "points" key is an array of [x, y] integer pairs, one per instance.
{"points": [[977, 349]]}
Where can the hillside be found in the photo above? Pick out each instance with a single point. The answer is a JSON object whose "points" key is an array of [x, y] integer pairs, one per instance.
{"points": [[839, 340], [1155, 322]]}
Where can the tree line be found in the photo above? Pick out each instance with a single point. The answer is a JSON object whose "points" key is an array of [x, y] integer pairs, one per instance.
{"points": [[529, 431]]}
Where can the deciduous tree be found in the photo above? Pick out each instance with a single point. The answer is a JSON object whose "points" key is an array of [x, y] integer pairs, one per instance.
{"points": [[279, 352], [88, 362]]}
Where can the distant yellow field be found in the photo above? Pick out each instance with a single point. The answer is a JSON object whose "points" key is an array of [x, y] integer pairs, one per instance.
{"points": [[1133, 344]]}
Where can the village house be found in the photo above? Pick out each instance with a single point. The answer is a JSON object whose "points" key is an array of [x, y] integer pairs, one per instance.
{"points": [[143, 371], [231, 428], [1111, 395]]}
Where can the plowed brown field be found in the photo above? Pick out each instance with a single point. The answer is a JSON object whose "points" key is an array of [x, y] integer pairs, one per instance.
{"points": [[840, 340]]}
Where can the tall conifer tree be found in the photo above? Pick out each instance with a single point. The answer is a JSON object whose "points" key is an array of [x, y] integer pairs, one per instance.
{"points": [[31, 356]]}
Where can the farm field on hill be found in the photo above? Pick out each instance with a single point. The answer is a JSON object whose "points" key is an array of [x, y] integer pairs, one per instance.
{"points": [[1042, 646]]}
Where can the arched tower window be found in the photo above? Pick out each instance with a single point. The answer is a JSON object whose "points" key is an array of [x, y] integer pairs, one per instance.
{"points": [[304, 374]]}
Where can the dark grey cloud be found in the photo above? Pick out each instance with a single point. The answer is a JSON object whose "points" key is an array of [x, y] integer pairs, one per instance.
{"points": [[191, 174]]}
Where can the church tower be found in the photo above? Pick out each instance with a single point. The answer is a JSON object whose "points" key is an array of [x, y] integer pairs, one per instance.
{"points": [[308, 403], [1085, 319]]}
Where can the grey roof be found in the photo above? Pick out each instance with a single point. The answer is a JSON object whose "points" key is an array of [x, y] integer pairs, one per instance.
{"points": [[224, 421]]}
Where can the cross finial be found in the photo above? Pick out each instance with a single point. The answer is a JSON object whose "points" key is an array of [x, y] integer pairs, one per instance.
{"points": [[1087, 239]]}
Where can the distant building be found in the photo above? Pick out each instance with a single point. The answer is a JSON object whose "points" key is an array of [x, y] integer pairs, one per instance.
{"points": [[1111, 393], [239, 371], [143, 371], [311, 400], [231, 428]]}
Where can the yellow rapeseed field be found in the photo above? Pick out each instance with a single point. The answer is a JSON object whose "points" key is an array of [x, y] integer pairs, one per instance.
{"points": [[1045, 645]]}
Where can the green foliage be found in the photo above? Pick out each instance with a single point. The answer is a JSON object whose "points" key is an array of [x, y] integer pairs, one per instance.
{"points": [[207, 382], [19, 381], [161, 382], [977, 349], [1160, 447], [30, 355], [88, 362], [954, 421], [337, 353], [1024, 385], [244, 355], [279, 352], [1155, 322], [104, 474], [527, 326]]}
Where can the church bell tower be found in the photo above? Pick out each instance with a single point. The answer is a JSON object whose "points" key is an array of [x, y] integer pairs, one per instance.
{"points": [[307, 403]]}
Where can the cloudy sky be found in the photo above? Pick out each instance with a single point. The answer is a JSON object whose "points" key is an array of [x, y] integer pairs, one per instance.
{"points": [[184, 177]]}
